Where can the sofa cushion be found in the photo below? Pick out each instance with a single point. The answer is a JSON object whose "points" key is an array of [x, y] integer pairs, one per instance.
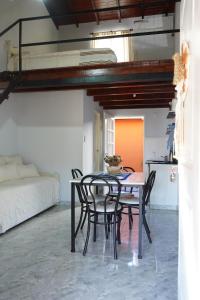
{"points": [[13, 159], [8, 172], [2, 160], [27, 171], [10, 159]]}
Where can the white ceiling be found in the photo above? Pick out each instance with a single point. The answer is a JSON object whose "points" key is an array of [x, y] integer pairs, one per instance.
{"points": [[6, 5], [26, 7]]}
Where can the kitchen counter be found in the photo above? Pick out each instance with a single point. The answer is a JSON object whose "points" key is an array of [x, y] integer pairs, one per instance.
{"points": [[165, 190], [161, 162]]}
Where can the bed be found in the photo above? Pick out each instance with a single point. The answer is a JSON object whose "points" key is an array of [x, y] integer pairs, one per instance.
{"points": [[82, 57], [22, 199], [24, 192]]}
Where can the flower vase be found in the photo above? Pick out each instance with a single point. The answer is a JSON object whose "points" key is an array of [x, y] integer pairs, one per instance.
{"points": [[114, 169]]}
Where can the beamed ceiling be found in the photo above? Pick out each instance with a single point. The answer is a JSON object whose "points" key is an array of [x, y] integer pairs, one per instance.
{"points": [[84, 11], [137, 95], [148, 94]]}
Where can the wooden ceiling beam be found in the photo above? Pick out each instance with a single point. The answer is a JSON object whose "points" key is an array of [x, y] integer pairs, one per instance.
{"points": [[132, 84], [136, 106], [95, 13], [131, 90], [145, 102], [74, 18], [84, 13], [142, 9], [138, 97], [119, 11]]}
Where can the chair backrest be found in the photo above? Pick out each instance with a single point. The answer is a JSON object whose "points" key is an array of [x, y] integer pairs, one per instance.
{"points": [[107, 181], [148, 187], [76, 173], [128, 169]]}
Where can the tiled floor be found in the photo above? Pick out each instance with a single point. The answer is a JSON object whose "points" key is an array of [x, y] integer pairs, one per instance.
{"points": [[36, 262]]}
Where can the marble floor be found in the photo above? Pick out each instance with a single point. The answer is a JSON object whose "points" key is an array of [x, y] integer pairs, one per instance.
{"points": [[36, 262]]}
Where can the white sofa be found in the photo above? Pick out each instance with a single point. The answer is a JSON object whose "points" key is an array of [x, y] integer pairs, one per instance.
{"points": [[23, 198]]}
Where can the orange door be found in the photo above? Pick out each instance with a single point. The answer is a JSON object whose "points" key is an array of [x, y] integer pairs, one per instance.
{"points": [[129, 142]]}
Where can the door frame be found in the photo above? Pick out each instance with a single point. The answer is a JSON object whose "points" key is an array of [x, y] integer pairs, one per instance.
{"points": [[98, 141]]}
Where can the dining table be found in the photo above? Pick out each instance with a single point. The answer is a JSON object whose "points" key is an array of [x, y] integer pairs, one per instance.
{"points": [[136, 179]]}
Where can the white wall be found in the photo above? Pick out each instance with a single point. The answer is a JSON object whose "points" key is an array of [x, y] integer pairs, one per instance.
{"points": [[145, 47], [189, 167], [32, 31], [8, 128], [51, 128], [88, 132], [50, 132], [155, 125]]}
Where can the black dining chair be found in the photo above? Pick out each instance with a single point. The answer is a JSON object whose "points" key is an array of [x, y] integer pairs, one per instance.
{"points": [[126, 190], [128, 170], [106, 212], [131, 201], [76, 173]]}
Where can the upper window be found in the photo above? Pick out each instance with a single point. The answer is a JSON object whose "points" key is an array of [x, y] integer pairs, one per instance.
{"points": [[121, 46]]}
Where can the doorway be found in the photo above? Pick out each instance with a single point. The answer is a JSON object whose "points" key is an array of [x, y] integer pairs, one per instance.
{"points": [[129, 142], [98, 142]]}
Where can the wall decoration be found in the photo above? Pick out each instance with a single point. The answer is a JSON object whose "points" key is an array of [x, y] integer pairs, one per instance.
{"points": [[181, 72]]}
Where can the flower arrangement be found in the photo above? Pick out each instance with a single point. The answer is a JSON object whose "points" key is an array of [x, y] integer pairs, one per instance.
{"points": [[113, 160]]}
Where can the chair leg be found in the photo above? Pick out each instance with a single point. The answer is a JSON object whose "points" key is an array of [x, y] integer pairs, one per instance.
{"points": [[118, 228], [130, 218], [147, 229], [80, 220], [109, 220], [95, 227], [106, 226], [114, 238], [87, 236], [84, 219]]}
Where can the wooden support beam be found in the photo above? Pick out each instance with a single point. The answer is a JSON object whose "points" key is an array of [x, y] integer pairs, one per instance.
{"points": [[74, 17], [84, 13], [136, 106], [127, 84], [132, 90], [132, 97], [144, 102], [95, 13], [135, 84], [142, 7], [143, 73], [119, 11], [72, 86]]}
